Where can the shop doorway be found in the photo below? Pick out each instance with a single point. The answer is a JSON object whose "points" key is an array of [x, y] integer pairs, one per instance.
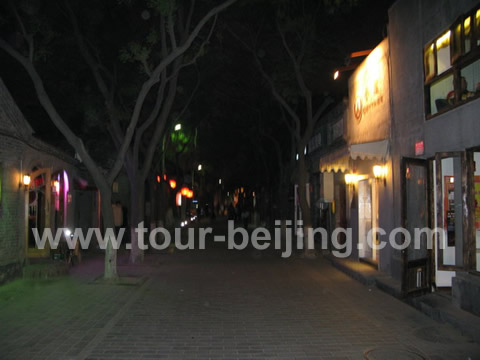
{"points": [[448, 216], [476, 206], [367, 220], [38, 211], [416, 216]]}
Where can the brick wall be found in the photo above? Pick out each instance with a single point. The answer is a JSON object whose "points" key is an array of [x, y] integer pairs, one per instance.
{"points": [[20, 152], [12, 213]]}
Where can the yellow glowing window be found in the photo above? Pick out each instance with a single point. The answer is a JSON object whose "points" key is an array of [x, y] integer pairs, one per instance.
{"points": [[429, 62], [467, 26], [477, 25], [443, 52], [443, 41], [467, 31], [457, 42]]}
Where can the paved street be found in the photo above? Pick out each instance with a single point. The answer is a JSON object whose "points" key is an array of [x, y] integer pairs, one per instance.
{"points": [[218, 304]]}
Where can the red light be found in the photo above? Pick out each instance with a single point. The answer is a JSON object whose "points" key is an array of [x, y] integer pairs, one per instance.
{"points": [[419, 148], [184, 191], [38, 181], [173, 184], [190, 194], [159, 179], [165, 177]]}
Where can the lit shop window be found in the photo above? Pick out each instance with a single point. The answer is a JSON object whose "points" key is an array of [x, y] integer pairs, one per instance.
{"points": [[467, 34], [477, 27], [452, 65], [429, 59], [443, 52], [470, 75]]}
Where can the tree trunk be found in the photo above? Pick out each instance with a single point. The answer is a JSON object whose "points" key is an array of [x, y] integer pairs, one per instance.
{"points": [[153, 202], [282, 203], [107, 214], [302, 194], [137, 205]]}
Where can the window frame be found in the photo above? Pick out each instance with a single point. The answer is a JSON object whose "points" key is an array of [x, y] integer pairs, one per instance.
{"points": [[459, 60]]}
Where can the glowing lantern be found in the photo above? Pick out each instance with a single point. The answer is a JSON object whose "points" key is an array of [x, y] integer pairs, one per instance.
{"points": [[172, 183], [56, 185], [26, 180]]}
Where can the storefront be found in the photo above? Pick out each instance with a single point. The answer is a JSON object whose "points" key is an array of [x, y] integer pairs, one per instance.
{"points": [[435, 65], [361, 169], [38, 210], [49, 207], [452, 149]]}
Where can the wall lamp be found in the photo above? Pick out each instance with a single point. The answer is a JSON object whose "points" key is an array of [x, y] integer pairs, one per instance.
{"points": [[380, 173], [349, 179], [339, 70], [352, 179], [349, 66], [25, 181]]}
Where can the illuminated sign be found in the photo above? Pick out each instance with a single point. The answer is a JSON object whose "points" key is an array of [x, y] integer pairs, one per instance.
{"points": [[419, 148], [369, 111], [369, 84]]}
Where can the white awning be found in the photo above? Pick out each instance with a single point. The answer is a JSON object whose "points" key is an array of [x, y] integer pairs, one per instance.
{"points": [[336, 161], [376, 150], [341, 159]]}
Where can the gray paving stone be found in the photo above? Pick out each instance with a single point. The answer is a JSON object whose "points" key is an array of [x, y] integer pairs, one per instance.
{"points": [[218, 305]]}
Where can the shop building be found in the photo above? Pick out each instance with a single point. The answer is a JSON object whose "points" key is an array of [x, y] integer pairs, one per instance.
{"points": [[411, 155], [39, 187], [327, 191], [355, 164], [435, 61]]}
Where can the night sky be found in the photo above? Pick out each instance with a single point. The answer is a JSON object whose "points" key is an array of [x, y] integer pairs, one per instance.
{"points": [[232, 109]]}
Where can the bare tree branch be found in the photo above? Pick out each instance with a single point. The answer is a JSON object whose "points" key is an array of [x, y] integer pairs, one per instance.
{"points": [[146, 67], [151, 118], [171, 31], [155, 77], [285, 121], [320, 110], [87, 55], [296, 66], [189, 101], [281, 100], [27, 36], [47, 104], [204, 43], [190, 14], [161, 121]]}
